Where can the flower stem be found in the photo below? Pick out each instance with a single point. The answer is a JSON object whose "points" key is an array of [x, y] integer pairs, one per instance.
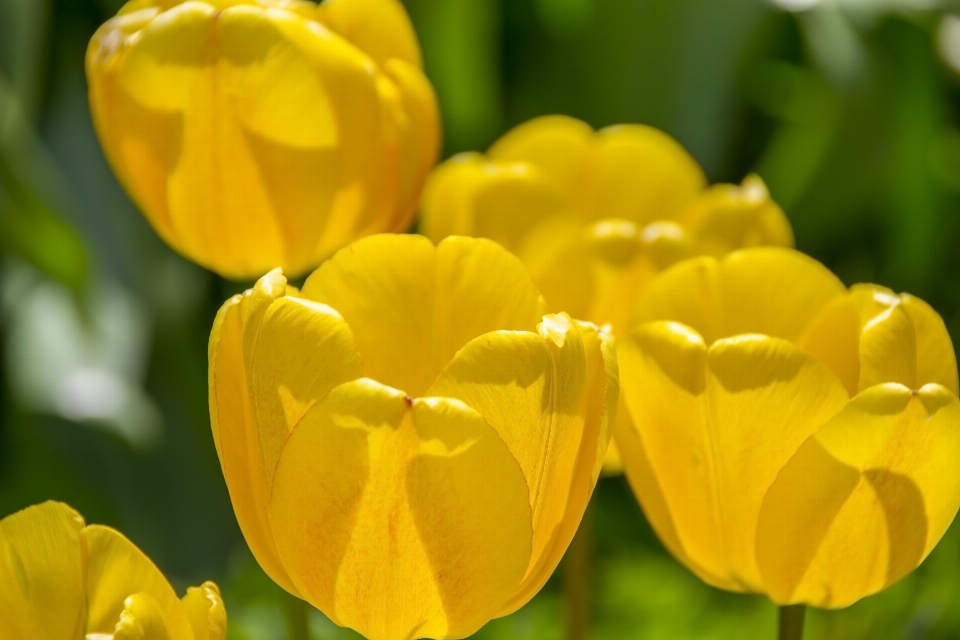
{"points": [[791, 622], [295, 613], [576, 578]]}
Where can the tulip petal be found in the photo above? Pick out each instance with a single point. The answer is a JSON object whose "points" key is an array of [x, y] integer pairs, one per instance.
{"points": [[141, 619], [864, 500], [936, 358], [380, 28], [204, 608], [376, 492], [888, 349], [551, 398], [411, 306], [833, 338], [231, 418], [41, 579], [643, 175], [727, 217], [560, 147], [117, 569], [771, 291], [716, 425]]}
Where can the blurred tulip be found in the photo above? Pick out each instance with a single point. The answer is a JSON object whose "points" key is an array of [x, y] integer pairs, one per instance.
{"points": [[596, 215], [63, 580], [790, 437], [264, 133], [409, 443]]}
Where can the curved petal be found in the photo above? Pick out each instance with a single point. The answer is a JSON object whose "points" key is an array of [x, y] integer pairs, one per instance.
{"points": [[116, 570], [864, 500], [231, 418], [552, 398], [411, 306], [936, 358], [716, 425], [376, 492], [727, 217], [140, 618], [419, 126], [642, 175], [207, 614], [771, 291], [561, 147], [380, 28], [888, 349], [41, 573]]}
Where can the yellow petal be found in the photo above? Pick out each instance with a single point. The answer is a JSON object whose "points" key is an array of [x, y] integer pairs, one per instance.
{"points": [[502, 201], [419, 126], [716, 425], [642, 175], [204, 608], [231, 418], [376, 492], [771, 291], [280, 120], [726, 217], [559, 146], [936, 358], [41, 573], [411, 306], [888, 348], [117, 569], [833, 338], [142, 619], [551, 397], [864, 500], [379, 28]]}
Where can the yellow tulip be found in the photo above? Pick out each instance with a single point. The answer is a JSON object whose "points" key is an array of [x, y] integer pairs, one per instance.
{"points": [[63, 580], [409, 443], [258, 133], [790, 437], [596, 215]]}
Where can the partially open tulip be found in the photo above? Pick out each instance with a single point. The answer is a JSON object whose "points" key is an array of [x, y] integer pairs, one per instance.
{"points": [[258, 133], [409, 443], [63, 580], [595, 215], [790, 436]]}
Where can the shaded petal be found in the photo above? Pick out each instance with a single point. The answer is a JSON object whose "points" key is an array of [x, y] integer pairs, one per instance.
{"points": [[41, 573], [771, 291], [833, 338], [551, 397], [380, 28], [411, 306], [642, 175], [716, 425], [888, 348], [728, 217], [864, 500], [376, 492], [231, 418], [117, 569], [208, 616]]}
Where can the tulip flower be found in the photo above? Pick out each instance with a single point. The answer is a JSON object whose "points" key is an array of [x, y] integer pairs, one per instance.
{"points": [[790, 437], [258, 133], [596, 216], [63, 580], [409, 443]]}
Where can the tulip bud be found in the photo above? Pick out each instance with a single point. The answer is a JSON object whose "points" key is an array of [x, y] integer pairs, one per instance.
{"points": [[258, 133], [409, 443], [62, 579], [789, 436], [596, 216]]}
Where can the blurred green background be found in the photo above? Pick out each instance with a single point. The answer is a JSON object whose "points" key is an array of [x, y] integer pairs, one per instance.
{"points": [[849, 109]]}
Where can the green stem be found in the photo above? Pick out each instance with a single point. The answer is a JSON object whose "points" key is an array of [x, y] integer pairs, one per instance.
{"points": [[791, 622], [295, 613], [578, 562]]}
